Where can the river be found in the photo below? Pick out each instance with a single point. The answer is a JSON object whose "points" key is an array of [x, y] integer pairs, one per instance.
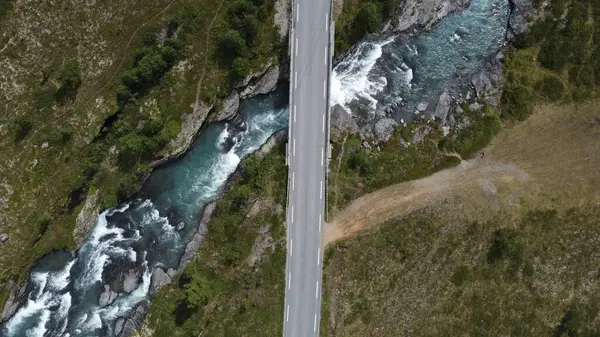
{"points": [[140, 235]]}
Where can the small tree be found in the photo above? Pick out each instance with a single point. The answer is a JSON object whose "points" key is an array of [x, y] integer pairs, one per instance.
{"points": [[70, 80], [241, 68], [232, 45], [198, 291]]}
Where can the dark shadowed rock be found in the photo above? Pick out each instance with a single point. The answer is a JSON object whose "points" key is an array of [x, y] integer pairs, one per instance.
{"points": [[159, 278], [107, 296], [265, 84], [119, 325], [127, 329], [520, 17]]}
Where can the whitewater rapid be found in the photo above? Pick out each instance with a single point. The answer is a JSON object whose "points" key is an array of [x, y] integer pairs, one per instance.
{"points": [[401, 74]]}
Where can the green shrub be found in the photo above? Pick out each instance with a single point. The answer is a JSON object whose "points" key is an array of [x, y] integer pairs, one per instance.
{"points": [[232, 45], [551, 87], [70, 80], [241, 68], [22, 128], [504, 246], [517, 101]]}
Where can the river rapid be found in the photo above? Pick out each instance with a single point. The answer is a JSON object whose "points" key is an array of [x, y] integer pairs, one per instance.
{"points": [[140, 235]]}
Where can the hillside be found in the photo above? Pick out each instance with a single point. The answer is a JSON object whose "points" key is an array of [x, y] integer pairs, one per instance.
{"points": [[93, 93]]}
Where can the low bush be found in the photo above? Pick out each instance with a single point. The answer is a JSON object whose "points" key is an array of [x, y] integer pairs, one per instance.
{"points": [[551, 87]]}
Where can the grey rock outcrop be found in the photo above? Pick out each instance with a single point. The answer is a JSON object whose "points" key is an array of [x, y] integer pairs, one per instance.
{"points": [[442, 108], [171, 272], [127, 327], [424, 14], [198, 238], [131, 280], [159, 278], [180, 226], [87, 217], [519, 20], [265, 84], [119, 323], [15, 298], [4, 237], [271, 143], [107, 296], [230, 107], [384, 128]]}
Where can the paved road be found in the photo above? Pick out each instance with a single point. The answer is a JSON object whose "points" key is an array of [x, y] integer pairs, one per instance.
{"points": [[307, 151]]}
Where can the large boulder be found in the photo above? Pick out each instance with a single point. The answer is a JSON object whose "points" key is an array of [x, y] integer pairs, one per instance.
{"points": [[384, 128], [341, 121], [124, 277], [159, 278], [107, 296], [442, 108]]}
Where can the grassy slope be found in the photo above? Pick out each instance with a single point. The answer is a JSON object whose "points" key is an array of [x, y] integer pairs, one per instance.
{"points": [[245, 289], [46, 174], [432, 275], [527, 270]]}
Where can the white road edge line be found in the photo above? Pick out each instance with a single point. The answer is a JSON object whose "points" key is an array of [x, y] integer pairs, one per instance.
{"points": [[326, 21], [324, 88], [297, 12], [294, 113], [317, 290], [318, 259], [325, 56], [291, 247], [319, 223], [292, 214], [315, 323], [287, 314], [296, 80], [323, 123], [294, 148], [296, 46], [321, 190], [322, 153], [294, 179], [290, 281]]}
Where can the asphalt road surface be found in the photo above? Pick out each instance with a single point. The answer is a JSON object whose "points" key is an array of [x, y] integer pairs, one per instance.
{"points": [[307, 151]]}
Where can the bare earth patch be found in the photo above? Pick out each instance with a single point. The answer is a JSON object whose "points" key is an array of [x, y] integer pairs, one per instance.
{"points": [[550, 159]]}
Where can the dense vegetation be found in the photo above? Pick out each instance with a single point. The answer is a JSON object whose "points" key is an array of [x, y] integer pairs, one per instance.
{"points": [[359, 18], [233, 287], [528, 276], [556, 59]]}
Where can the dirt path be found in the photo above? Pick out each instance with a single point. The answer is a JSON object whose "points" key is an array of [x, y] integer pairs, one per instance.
{"points": [[551, 156]]}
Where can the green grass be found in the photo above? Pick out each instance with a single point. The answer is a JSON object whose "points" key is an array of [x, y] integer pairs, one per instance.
{"points": [[439, 275], [220, 293]]}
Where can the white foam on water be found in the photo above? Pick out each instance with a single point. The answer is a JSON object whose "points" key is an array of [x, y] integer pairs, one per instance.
{"points": [[61, 279], [40, 329], [131, 254], [350, 79], [37, 304]]}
